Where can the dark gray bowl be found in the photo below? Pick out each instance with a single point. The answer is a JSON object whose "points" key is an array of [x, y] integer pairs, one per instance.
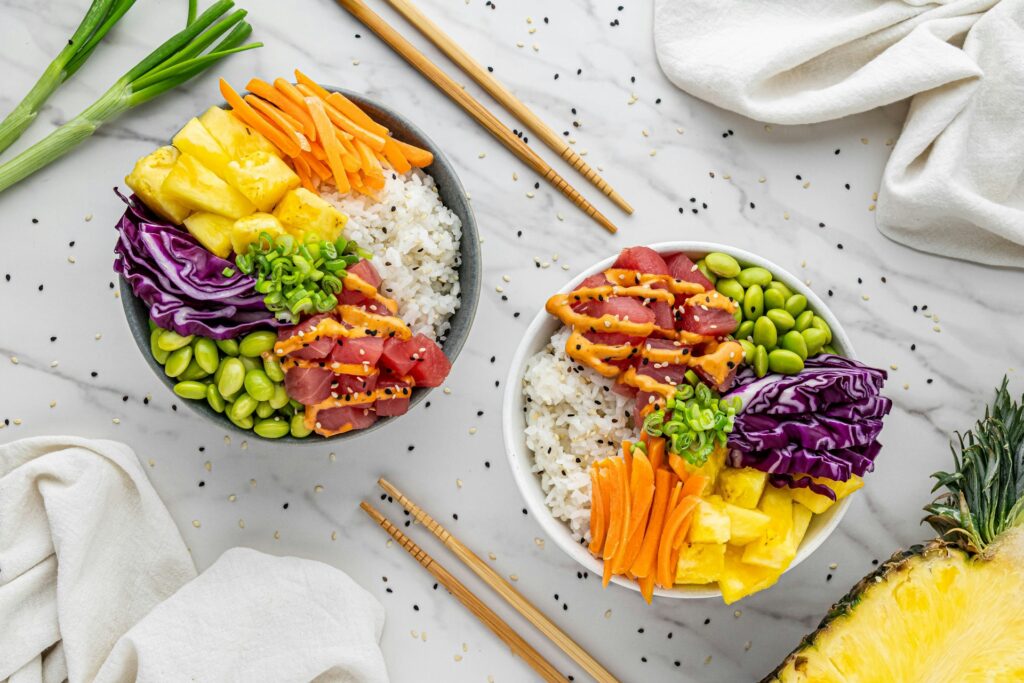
{"points": [[454, 197]]}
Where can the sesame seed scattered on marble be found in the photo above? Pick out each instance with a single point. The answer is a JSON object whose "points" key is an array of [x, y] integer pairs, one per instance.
{"points": [[539, 542], [607, 614], [232, 498], [196, 523], [241, 523], [334, 535], [116, 420], [14, 360]]}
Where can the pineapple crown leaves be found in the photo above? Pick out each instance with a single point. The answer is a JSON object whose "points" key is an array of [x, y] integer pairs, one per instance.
{"points": [[985, 492]]}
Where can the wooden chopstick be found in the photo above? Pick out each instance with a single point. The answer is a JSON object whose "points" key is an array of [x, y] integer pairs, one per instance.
{"points": [[484, 613], [495, 89], [489, 121], [502, 587]]}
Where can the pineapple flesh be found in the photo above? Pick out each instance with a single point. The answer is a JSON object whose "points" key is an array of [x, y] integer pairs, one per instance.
{"points": [[234, 136], [199, 188], [263, 178], [212, 231], [301, 211], [147, 179]]}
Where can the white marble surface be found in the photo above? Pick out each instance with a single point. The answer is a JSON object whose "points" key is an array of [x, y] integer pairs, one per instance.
{"points": [[766, 189]]}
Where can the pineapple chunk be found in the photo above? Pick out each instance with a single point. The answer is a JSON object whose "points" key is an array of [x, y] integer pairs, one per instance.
{"points": [[235, 137], [147, 179], [700, 562], [247, 230], [212, 231], [742, 486], [263, 178], [710, 522], [801, 520], [710, 469], [739, 579], [772, 549], [745, 525], [194, 139], [301, 211], [818, 503], [198, 187]]}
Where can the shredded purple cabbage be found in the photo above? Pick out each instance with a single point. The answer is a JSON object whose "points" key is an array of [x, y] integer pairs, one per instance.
{"points": [[182, 283], [823, 422]]}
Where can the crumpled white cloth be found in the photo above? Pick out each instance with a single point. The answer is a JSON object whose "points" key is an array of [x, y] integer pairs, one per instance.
{"points": [[96, 584], [953, 184]]}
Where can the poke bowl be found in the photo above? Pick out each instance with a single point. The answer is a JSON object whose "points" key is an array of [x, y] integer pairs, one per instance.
{"points": [[280, 301], [586, 404]]}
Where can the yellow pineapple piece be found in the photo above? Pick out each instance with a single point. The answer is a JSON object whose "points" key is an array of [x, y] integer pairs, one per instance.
{"points": [[772, 549], [247, 230], [212, 231], [301, 211], [801, 520], [745, 525], [199, 188], [710, 469], [700, 562], [196, 140], [818, 503], [235, 137], [263, 178], [741, 486], [739, 579], [147, 179], [710, 522]]}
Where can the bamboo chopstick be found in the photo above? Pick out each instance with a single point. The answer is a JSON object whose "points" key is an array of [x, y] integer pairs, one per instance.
{"points": [[502, 587], [446, 84], [473, 604], [495, 89]]}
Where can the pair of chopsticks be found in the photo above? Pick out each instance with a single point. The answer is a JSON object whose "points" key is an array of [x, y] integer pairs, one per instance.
{"points": [[484, 613], [473, 107]]}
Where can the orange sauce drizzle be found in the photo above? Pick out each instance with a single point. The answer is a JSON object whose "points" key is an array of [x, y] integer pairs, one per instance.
{"points": [[357, 399]]}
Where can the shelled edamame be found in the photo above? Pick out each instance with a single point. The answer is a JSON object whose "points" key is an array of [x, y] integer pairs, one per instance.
{"points": [[237, 377], [777, 330]]}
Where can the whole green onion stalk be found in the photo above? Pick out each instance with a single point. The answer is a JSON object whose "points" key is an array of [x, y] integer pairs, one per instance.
{"points": [[180, 58], [98, 20]]}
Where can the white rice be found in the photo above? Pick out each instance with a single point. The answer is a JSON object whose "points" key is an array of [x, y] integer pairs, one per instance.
{"points": [[415, 243], [572, 419]]}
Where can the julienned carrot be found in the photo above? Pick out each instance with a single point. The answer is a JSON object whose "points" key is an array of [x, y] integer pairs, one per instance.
{"points": [[656, 452], [303, 171], [352, 110], [332, 148], [694, 485], [616, 512], [627, 456], [279, 119], [356, 180], [250, 117], [395, 157], [315, 164], [375, 142], [268, 92], [641, 494], [373, 174], [420, 158], [644, 562], [314, 87], [678, 515], [597, 519], [677, 542], [351, 158], [678, 466], [290, 91], [647, 587]]}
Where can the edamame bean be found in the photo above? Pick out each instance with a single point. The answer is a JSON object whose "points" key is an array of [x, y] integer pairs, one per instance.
{"points": [[745, 329], [245, 423], [773, 299], [803, 321], [796, 304], [783, 320], [286, 410], [794, 341], [753, 302], [781, 288], [820, 324], [737, 315], [154, 346], [214, 398], [722, 265], [828, 348], [178, 361], [760, 361], [190, 390], [193, 371], [232, 376], [814, 338], [295, 404], [785, 362], [271, 429], [264, 410], [255, 343], [206, 354], [152, 325], [250, 363], [748, 350], [228, 346], [244, 406], [298, 426], [754, 276], [731, 288], [280, 398], [172, 341], [703, 268], [765, 333], [258, 385], [273, 368]]}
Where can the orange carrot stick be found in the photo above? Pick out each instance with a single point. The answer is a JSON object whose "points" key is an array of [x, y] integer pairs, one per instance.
{"points": [[315, 164], [666, 572], [252, 118], [278, 118], [420, 158], [678, 466], [649, 548], [656, 452], [647, 587], [597, 528], [373, 174], [352, 110], [694, 485], [290, 91], [641, 495], [351, 158], [623, 484], [279, 100], [395, 157], [677, 542], [331, 146], [303, 171]]}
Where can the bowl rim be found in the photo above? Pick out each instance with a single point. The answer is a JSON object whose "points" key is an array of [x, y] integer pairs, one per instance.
{"points": [[520, 458], [451, 346]]}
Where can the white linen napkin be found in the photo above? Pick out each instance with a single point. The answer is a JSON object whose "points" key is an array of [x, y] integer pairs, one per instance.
{"points": [[953, 184], [96, 584]]}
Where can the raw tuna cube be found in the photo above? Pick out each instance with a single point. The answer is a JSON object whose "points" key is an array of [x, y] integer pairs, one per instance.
{"points": [[333, 419], [432, 366], [711, 321], [358, 350], [395, 402], [642, 259], [308, 385], [314, 349], [398, 355], [346, 385], [682, 268]]}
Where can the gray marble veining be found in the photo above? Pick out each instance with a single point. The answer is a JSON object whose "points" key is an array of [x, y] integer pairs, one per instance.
{"points": [[691, 171]]}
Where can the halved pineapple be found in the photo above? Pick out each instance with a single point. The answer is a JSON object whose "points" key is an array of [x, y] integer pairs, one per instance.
{"points": [[301, 211], [745, 525], [199, 188], [710, 522], [234, 136], [196, 140], [772, 549], [710, 469], [263, 178], [700, 563], [739, 578], [742, 486], [147, 179], [247, 230], [212, 231], [818, 503]]}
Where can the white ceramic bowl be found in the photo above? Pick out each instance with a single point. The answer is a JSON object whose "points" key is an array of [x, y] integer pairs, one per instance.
{"points": [[538, 335]]}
